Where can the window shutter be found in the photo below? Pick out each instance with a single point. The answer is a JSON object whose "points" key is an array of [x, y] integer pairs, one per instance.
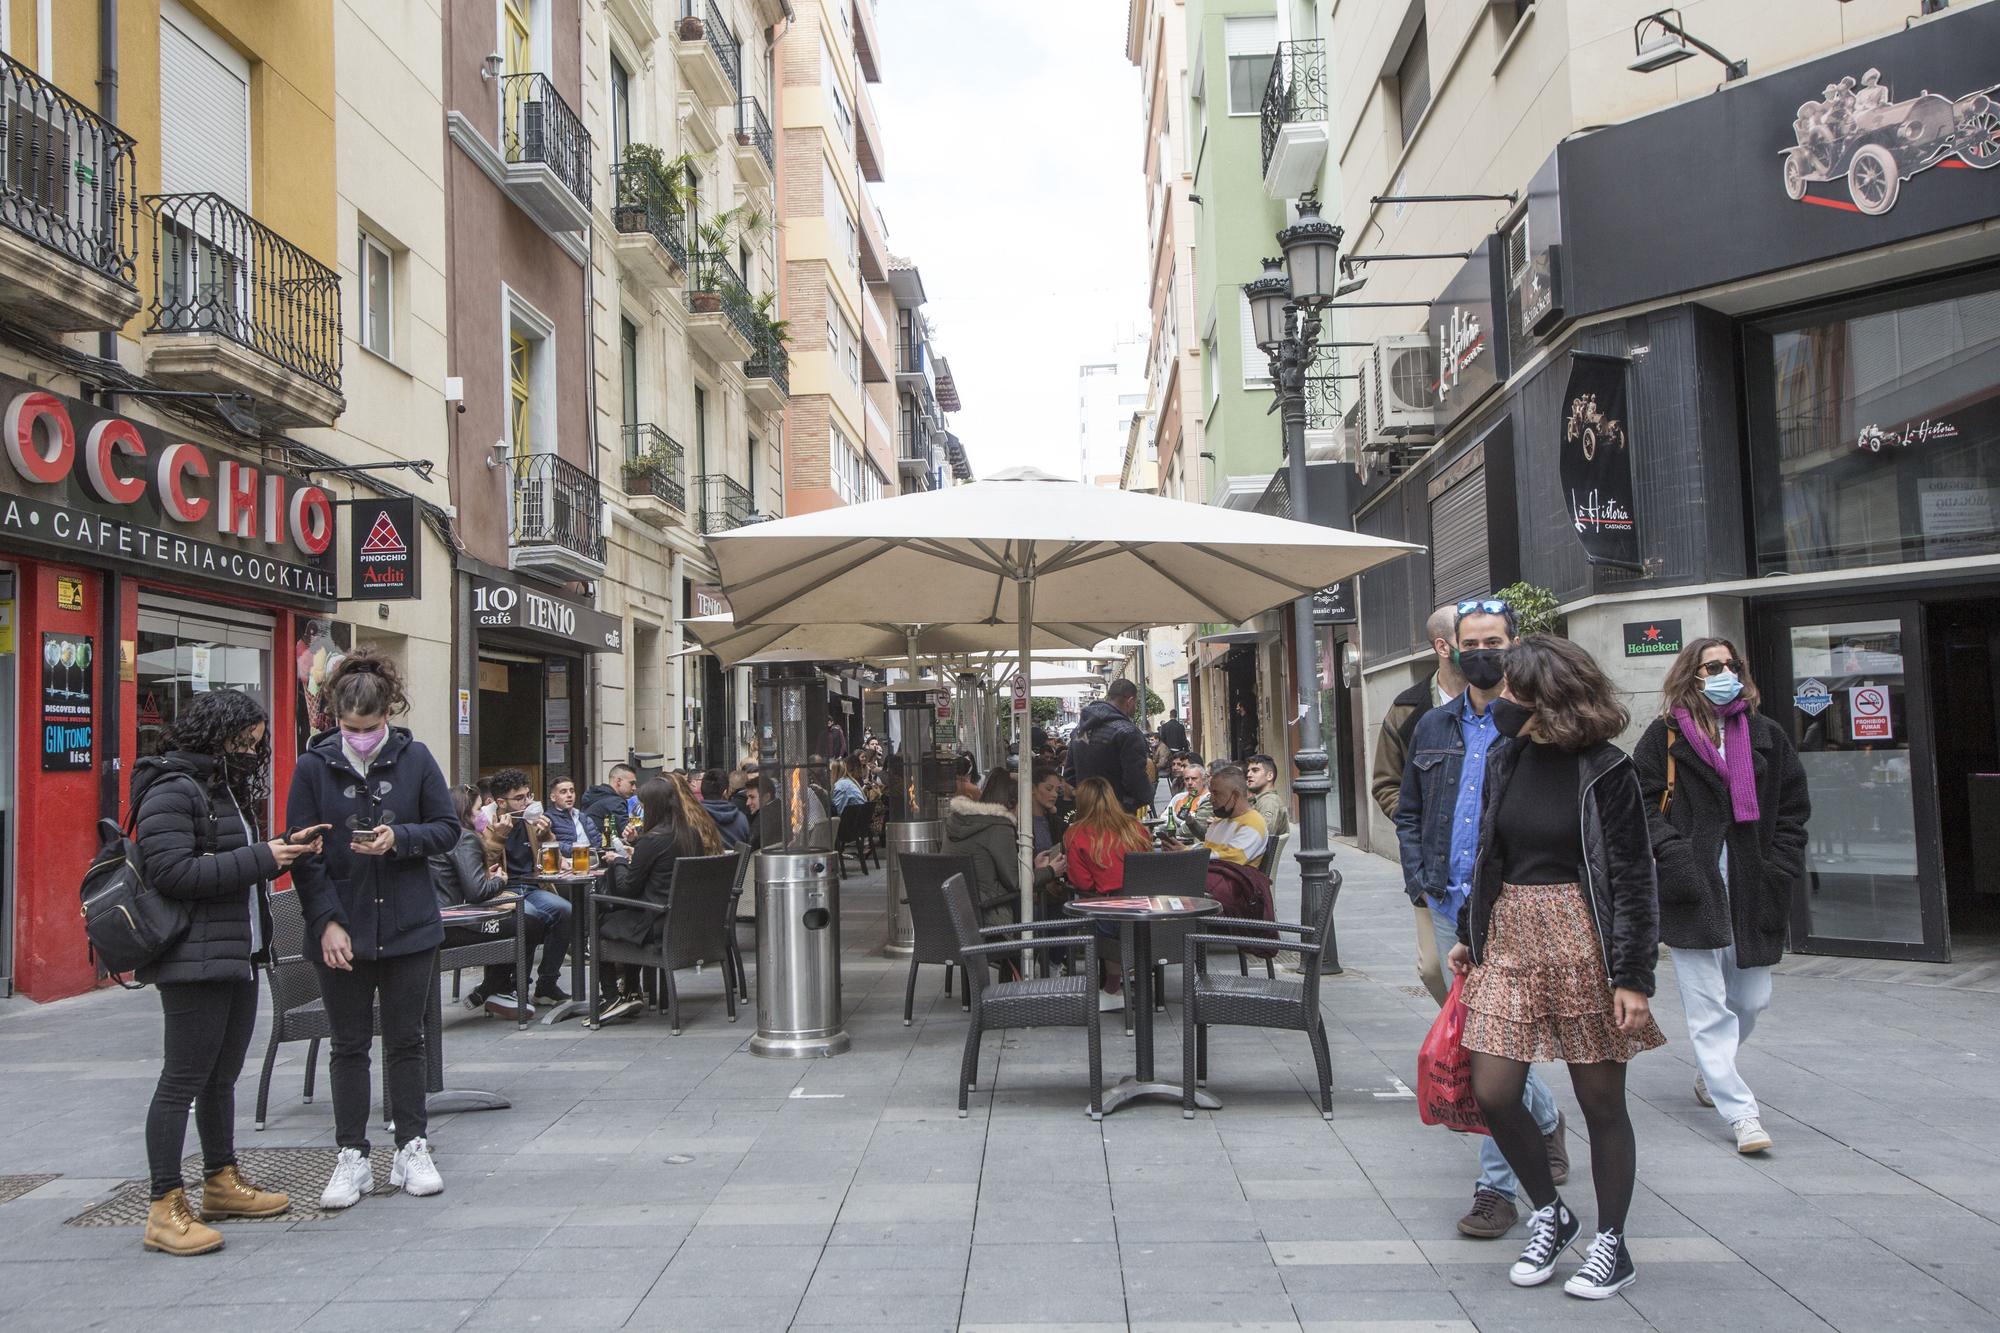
{"points": [[1256, 366], [1459, 567], [204, 112], [1253, 35]]}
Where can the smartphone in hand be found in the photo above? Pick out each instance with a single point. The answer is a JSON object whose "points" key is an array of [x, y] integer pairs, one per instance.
{"points": [[308, 834]]}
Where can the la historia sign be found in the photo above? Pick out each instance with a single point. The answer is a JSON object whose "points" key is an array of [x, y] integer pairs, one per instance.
{"points": [[94, 484]]}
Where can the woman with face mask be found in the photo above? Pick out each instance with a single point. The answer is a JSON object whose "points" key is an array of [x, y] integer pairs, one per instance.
{"points": [[1727, 803], [372, 922]]}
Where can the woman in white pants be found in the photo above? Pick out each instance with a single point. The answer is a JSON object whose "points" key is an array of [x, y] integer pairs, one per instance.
{"points": [[1727, 803]]}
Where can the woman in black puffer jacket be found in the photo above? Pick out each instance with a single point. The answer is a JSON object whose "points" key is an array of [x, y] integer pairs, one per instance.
{"points": [[197, 808]]}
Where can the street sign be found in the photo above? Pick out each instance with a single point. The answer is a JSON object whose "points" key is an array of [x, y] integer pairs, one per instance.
{"points": [[1868, 713], [1020, 694]]}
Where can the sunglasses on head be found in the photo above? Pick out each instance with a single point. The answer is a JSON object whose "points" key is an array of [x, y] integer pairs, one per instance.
{"points": [[1492, 606], [1717, 668]]}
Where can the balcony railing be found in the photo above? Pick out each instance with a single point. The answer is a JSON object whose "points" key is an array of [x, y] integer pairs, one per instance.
{"points": [[770, 362], [753, 127], [727, 49], [66, 175], [1296, 90], [556, 503], [653, 461], [725, 504], [911, 354], [716, 279], [644, 202], [537, 126], [217, 270]]}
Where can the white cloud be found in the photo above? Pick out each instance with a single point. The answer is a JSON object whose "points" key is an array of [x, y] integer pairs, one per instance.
{"points": [[1013, 157]]}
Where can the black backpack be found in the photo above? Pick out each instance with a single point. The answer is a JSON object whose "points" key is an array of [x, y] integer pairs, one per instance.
{"points": [[127, 922]]}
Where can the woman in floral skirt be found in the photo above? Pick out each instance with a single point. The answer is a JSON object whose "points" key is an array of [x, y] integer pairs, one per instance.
{"points": [[1558, 943]]}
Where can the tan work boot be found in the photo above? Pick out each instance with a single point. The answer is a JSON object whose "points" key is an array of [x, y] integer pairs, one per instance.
{"points": [[228, 1194], [171, 1228]]}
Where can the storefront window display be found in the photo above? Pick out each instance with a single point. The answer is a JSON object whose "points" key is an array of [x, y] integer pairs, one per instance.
{"points": [[1875, 430], [185, 650]]}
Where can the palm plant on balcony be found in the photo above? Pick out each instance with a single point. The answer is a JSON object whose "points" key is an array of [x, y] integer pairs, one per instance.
{"points": [[771, 331], [715, 281], [654, 184]]}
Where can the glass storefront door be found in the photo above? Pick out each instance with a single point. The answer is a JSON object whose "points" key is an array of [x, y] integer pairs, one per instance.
{"points": [[186, 649], [1849, 684]]}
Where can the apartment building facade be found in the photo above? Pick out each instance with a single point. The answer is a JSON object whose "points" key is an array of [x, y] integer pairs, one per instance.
{"points": [[1754, 398]]}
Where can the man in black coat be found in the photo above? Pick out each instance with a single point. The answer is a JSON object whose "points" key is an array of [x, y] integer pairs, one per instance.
{"points": [[1108, 744], [1174, 733]]}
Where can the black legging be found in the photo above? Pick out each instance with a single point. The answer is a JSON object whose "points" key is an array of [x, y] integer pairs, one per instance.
{"points": [[207, 1034], [1497, 1084]]}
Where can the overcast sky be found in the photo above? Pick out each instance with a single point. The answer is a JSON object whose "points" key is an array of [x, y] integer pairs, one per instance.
{"points": [[1013, 161]]}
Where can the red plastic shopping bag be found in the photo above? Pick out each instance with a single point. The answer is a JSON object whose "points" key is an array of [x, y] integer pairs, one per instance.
{"points": [[1444, 1071]]}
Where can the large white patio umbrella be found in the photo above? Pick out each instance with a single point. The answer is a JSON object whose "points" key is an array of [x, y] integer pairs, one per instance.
{"points": [[734, 642], [1026, 549]]}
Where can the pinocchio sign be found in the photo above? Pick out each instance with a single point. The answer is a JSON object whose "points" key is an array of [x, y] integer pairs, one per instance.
{"points": [[98, 486]]}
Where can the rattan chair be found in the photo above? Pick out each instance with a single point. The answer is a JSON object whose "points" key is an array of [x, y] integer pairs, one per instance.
{"points": [[1040, 1002], [297, 1012], [697, 930], [1262, 1002], [937, 941]]}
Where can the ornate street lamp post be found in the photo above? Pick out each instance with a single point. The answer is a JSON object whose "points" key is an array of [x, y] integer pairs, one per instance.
{"points": [[1285, 305]]}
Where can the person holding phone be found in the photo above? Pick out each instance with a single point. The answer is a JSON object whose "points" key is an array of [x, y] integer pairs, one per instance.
{"points": [[372, 922], [197, 807]]}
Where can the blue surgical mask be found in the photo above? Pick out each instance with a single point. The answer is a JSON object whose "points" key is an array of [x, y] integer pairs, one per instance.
{"points": [[1722, 688]]}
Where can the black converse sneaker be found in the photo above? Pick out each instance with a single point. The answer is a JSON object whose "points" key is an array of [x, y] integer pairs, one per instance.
{"points": [[1607, 1269], [1550, 1231]]}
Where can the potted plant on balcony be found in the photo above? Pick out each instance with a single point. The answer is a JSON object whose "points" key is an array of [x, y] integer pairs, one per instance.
{"points": [[690, 29], [650, 184], [716, 238], [772, 334], [658, 462]]}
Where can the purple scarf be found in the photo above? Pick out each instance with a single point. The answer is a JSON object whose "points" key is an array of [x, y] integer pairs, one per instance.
{"points": [[1739, 771]]}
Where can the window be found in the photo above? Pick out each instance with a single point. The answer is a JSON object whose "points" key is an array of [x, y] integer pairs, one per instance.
{"points": [[1512, 12], [1251, 44], [520, 393], [701, 427], [517, 44], [204, 111], [531, 392], [839, 216], [628, 371], [378, 294], [843, 339], [854, 478], [843, 114], [1256, 365], [621, 109], [1413, 81]]}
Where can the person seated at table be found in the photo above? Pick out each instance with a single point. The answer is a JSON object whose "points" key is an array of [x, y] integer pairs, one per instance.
{"points": [[1192, 809], [1261, 772], [572, 828], [966, 782], [757, 797], [672, 825], [730, 821], [984, 830], [1095, 848], [474, 872], [846, 791], [522, 835], [1237, 834]]}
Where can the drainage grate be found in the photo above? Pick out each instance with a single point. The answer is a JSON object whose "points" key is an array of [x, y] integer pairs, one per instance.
{"points": [[13, 1187], [299, 1172], [1415, 992]]}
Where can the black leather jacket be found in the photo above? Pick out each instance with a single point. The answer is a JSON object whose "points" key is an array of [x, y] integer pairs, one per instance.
{"points": [[1617, 863]]}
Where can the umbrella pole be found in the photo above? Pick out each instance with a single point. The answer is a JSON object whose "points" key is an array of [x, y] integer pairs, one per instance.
{"points": [[1024, 788]]}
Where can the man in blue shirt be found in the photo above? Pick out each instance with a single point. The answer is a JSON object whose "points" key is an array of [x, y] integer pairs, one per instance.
{"points": [[1437, 834]]}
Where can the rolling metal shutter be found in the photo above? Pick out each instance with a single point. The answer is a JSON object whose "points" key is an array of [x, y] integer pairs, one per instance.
{"points": [[204, 112], [1459, 564]]}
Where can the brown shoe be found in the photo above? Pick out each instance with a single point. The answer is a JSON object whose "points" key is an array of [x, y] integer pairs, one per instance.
{"points": [[228, 1194], [1493, 1215], [1558, 1144], [171, 1228]]}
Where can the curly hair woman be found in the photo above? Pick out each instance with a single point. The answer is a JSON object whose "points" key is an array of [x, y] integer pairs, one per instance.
{"points": [[197, 808]]}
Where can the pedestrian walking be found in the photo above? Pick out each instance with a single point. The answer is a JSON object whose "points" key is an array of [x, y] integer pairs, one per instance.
{"points": [[197, 808], [1558, 943], [1438, 835], [1727, 805], [1392, 752], [372, 922], [1108, 744]]}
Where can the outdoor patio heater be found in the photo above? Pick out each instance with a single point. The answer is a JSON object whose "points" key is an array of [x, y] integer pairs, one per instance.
{"points": [[918, 781], [798, 889]]}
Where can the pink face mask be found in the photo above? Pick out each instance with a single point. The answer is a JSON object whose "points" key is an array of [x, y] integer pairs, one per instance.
{"points": [[365, 743]]}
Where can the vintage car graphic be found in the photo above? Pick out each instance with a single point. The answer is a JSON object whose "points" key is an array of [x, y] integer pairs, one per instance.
{"points": [[1589, 427], [1877, 144]]}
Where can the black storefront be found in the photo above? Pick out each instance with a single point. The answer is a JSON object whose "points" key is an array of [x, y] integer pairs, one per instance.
{"points": [[1789, 291]]}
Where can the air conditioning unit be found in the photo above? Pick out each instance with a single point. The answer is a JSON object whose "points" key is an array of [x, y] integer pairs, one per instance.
{"points": [[1399, 381]]}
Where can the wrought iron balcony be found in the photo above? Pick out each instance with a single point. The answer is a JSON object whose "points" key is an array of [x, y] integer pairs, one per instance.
{"points": [[645, 204], [1296, 90], [770, 362], [716, 289], [725, 504], [537, 128], [67, 184], [728, 51], [558, 513], [753, 130], [653, 463], [219, 271]]}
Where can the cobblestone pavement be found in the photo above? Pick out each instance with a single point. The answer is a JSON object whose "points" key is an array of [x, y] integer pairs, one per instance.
{"points": [[679, 1182]]}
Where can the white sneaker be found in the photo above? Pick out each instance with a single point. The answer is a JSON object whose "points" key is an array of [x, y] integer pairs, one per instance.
{"points": [[1108, 1003], [352, 1177], [1751, 1136], [1701, 1092], [413, 1171]]}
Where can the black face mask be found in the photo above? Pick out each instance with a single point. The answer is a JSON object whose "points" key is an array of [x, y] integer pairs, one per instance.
{"points": [[1509, 717], [241, 767], [1482, 667]]}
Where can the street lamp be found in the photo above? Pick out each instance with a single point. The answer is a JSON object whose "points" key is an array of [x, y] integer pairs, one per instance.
{"points": [[1285, 304]]}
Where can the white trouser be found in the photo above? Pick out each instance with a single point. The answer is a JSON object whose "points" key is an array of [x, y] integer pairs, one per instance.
{"points": [[1722, 1002]]}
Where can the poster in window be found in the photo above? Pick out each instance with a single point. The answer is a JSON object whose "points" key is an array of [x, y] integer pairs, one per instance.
{"points": [[1596, 461], [67, 738]]}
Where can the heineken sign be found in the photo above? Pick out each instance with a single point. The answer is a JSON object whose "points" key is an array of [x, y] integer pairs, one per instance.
{"points": [[1652, 638]]}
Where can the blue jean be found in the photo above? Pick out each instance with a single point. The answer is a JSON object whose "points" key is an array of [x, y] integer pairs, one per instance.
{"points": [[552, 910], [1494, 1173]]}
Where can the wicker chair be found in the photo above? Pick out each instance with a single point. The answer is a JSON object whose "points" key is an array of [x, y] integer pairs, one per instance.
{"points": [[1042, 1002], [854, 835], [937, 940], [1260, 1002], [297, 1013], [697, 929], [746, 860]]}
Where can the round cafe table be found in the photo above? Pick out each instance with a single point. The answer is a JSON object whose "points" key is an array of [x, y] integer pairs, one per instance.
{"points": [[576, 888], [1137, 916]]}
